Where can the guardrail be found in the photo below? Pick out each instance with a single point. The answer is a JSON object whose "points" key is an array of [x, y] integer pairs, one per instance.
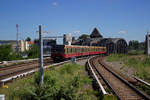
{"points": [[100, 85]]}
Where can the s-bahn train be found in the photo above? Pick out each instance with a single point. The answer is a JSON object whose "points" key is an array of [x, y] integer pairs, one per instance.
{"points": [[62, 52]]}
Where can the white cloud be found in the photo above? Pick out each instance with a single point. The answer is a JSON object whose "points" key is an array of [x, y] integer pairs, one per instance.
{"points": [[122, 32], [76, 32], [54, 3]]}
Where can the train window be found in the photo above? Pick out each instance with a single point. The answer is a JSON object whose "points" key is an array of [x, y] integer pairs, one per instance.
{"points": [[65, 50], [79, 50], [75, 50], [68, 50], [71, 50]]}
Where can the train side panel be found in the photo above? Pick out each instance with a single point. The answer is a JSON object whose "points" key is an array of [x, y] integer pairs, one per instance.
{"points": [[65, 52]]}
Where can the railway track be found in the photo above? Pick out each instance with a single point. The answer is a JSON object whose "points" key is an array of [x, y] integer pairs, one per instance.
{"points": [[20, 64], [9, 74], [9, 71], [121, 87]]}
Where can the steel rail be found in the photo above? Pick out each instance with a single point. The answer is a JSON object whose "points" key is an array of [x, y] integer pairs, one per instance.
{"points": [[127, 83], [34, 70], [100, 85], [28, 72], [142, 81]]}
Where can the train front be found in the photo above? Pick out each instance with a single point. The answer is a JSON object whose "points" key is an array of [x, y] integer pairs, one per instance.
{"points": [[57, 53]]}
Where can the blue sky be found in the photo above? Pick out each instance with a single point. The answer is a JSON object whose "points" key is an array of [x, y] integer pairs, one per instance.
{"points": [[129, 19]]}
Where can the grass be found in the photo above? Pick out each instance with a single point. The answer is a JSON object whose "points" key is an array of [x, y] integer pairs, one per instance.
{"points": [[107, 97], [140, 63], [69, 82], [135, 52]]}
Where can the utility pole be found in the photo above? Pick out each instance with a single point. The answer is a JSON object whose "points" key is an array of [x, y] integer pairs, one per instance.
{"points": [[41, 54], [148, 49], [17, 47]]}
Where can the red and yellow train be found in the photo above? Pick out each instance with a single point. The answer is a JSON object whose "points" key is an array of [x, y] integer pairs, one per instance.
{"points": [[62, 52]]}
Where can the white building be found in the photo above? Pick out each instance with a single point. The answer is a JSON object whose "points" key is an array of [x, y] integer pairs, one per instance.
{"points": [[67, 39]]}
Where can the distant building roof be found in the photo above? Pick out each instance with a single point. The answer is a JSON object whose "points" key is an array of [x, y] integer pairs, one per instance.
{"points": [[96, 34]]}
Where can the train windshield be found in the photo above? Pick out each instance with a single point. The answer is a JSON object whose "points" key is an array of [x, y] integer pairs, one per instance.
{"points": [[58, 49]]}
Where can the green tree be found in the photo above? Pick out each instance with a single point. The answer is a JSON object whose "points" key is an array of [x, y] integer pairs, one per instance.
{"points": [[5, 51], [134, 44], [28, 39], [83, 36], [33, 51], [142, 45]]}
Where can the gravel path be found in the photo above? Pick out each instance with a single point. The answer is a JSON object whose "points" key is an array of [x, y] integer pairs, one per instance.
{"points": [[82, 62], [120, 67]]}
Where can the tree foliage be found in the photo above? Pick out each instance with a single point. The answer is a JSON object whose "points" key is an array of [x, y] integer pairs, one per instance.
{"points": [[6, 53], [33, 52], [136, 45], [83, 36], [28, 39]]}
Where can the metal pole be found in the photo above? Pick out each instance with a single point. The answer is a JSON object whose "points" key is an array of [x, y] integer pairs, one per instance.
{"points": [[41, 54], [17, 48], [147, 44]]}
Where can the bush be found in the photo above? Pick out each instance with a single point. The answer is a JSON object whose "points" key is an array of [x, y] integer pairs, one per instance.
{"points": [[33, 52], [7, 54], [65, 83]]}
